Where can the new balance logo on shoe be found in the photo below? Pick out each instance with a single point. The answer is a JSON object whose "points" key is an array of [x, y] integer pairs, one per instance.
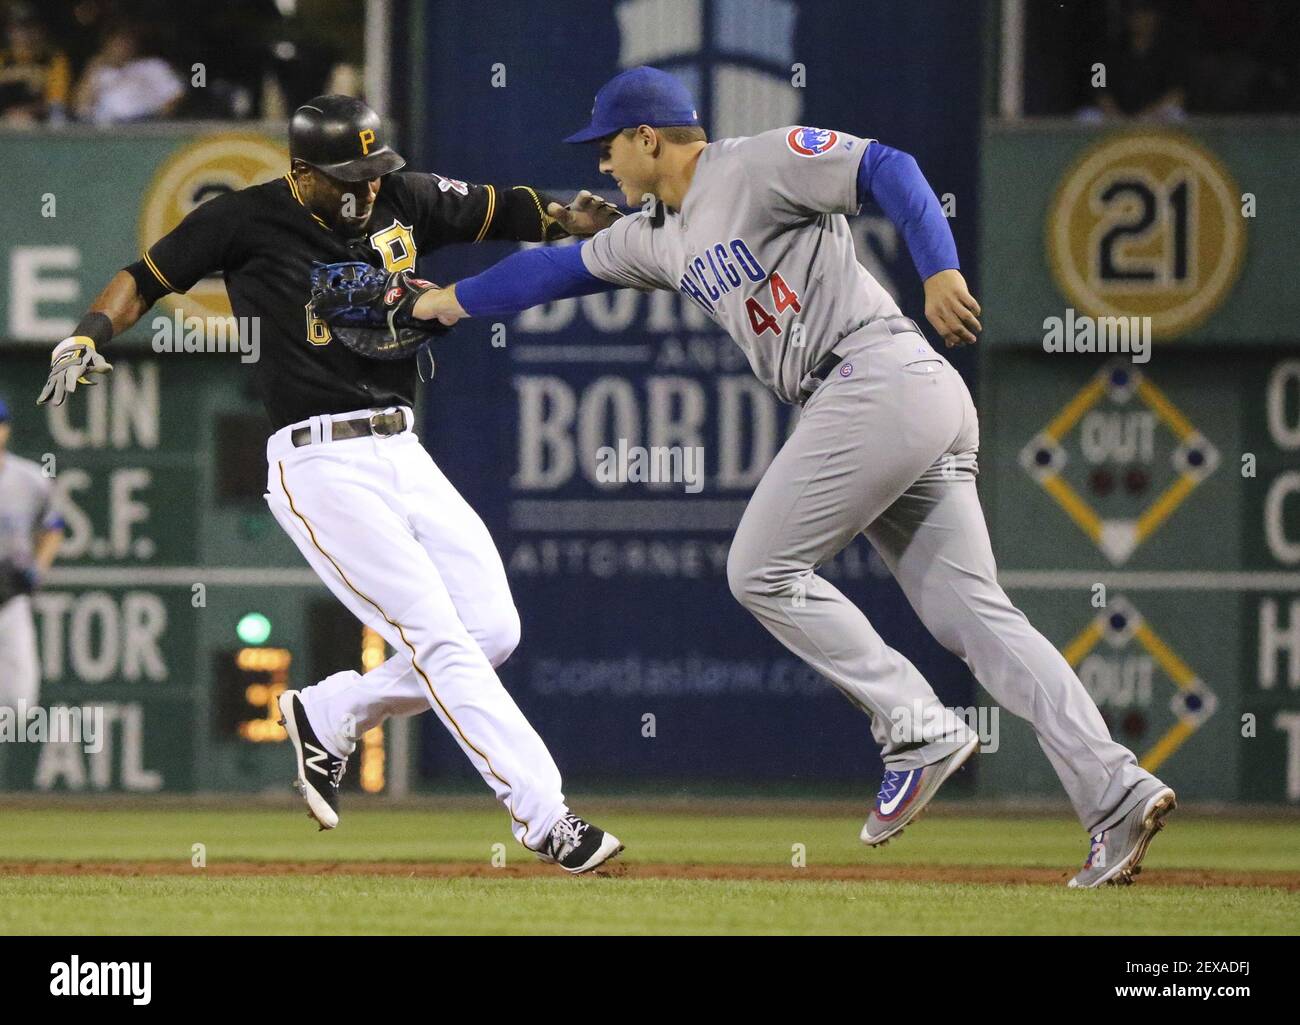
{"points": [[319, 760], [322, 797]]}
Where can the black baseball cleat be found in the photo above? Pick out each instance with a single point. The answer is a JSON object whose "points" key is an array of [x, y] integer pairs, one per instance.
{"points": [[578, 846], [319, 772]]}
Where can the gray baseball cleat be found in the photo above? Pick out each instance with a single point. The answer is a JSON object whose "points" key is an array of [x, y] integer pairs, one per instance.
{"points": [[1116, 854], [903, 795]]}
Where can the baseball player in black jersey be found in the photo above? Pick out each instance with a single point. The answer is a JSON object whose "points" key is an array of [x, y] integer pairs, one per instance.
{"points": [[347, 478]]}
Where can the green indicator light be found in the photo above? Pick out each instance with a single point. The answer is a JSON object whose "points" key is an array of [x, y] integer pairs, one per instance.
{"points": [[254, 628]]}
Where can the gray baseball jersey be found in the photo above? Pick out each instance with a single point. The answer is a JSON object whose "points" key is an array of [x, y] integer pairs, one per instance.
{"points": [[887, 447], [762, 245], [28, 501]]}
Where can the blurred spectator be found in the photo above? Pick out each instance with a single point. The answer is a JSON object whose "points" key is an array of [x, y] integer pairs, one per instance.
{"points": [[1279, 83], [80, 25], [35, 77], [1246, 57], [309, 49], [1162, 57], [232, 41], [1146, 68], [122, 84], [258, 58]]}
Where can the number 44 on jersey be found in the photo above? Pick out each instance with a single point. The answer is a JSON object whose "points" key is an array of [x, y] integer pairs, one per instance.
{"points": [[783, 298]]}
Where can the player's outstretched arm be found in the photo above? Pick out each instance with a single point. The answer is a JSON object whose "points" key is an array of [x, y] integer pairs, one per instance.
{"points": [[76, 359], [894, 180], [527, 278], [194, 248]]}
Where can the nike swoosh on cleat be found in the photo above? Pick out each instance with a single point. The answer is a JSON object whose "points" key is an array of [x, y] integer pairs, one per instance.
{"points": [[890, 806]]}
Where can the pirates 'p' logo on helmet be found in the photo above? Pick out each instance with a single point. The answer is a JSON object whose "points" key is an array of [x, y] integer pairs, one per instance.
{"points": [[342, 137]]}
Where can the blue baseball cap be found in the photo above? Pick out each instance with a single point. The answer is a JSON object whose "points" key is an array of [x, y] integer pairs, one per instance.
{"points": [[4, 412], [638, 96]]}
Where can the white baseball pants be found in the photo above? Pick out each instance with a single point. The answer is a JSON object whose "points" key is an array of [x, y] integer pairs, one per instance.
{"points": [[399, 546]]}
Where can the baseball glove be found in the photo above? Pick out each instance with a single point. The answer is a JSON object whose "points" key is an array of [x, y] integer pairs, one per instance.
{"points": [[368, 309]]}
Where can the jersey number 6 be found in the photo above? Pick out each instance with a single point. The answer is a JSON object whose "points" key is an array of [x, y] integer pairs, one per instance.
{"points": [[782, 297], [318, 332]]}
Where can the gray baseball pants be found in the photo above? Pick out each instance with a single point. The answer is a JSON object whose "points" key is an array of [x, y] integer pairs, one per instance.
{"points": [[887, 447]]}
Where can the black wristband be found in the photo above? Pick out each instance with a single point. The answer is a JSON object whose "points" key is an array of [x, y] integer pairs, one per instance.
{"points": [[97, 327]]}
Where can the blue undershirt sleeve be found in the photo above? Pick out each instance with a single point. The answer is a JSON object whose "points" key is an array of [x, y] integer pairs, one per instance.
{"points": [[527, 278], [894, 180]]}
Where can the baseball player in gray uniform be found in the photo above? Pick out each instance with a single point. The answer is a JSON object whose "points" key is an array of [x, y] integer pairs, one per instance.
{"points": [[31, 530], [754, 232]]}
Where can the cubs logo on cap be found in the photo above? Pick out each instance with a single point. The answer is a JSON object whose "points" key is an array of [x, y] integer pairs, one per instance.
{"points": [[811, 142]]}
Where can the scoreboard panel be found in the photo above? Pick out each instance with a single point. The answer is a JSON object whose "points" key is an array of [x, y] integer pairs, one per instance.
{"points": [[177, 604], [1169, 583], [1145, 507]]}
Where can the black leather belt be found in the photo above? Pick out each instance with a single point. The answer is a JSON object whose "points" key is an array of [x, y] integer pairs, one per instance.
{"points": [[819, 373], [380, 424]]}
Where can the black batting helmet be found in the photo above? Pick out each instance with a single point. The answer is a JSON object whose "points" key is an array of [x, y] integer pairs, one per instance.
{"points": [[343, 137]]}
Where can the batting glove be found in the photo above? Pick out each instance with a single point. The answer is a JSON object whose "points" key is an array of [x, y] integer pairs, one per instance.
{"points": [[71, 363]]}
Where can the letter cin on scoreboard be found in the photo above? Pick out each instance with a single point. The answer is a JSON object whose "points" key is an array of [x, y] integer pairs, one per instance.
{"points": [[1147, 225]]}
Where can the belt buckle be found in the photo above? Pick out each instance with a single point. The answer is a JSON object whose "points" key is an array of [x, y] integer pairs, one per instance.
{"points": [[378, 426]]}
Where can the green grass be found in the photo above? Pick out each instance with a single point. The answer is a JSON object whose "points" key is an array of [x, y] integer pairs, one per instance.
{"points": [[383, 905], [376, 834], [375, 904]]}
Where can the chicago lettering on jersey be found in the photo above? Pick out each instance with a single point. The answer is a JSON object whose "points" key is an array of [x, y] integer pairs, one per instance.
{"points": [[718, 271]]}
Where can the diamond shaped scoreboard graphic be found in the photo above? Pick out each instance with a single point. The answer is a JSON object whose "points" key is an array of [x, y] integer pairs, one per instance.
{"points": [[1121, 627], [1138, 458]]}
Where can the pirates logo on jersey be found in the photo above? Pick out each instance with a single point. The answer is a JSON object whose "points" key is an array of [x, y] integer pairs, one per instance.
{"points": [[396, 246], [811, 142]]}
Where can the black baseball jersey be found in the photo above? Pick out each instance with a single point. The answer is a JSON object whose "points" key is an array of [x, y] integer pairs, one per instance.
{"points": [[263, 240]]}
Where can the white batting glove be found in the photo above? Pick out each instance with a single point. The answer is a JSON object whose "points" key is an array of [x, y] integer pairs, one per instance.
{"points": [[72, 360]]}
